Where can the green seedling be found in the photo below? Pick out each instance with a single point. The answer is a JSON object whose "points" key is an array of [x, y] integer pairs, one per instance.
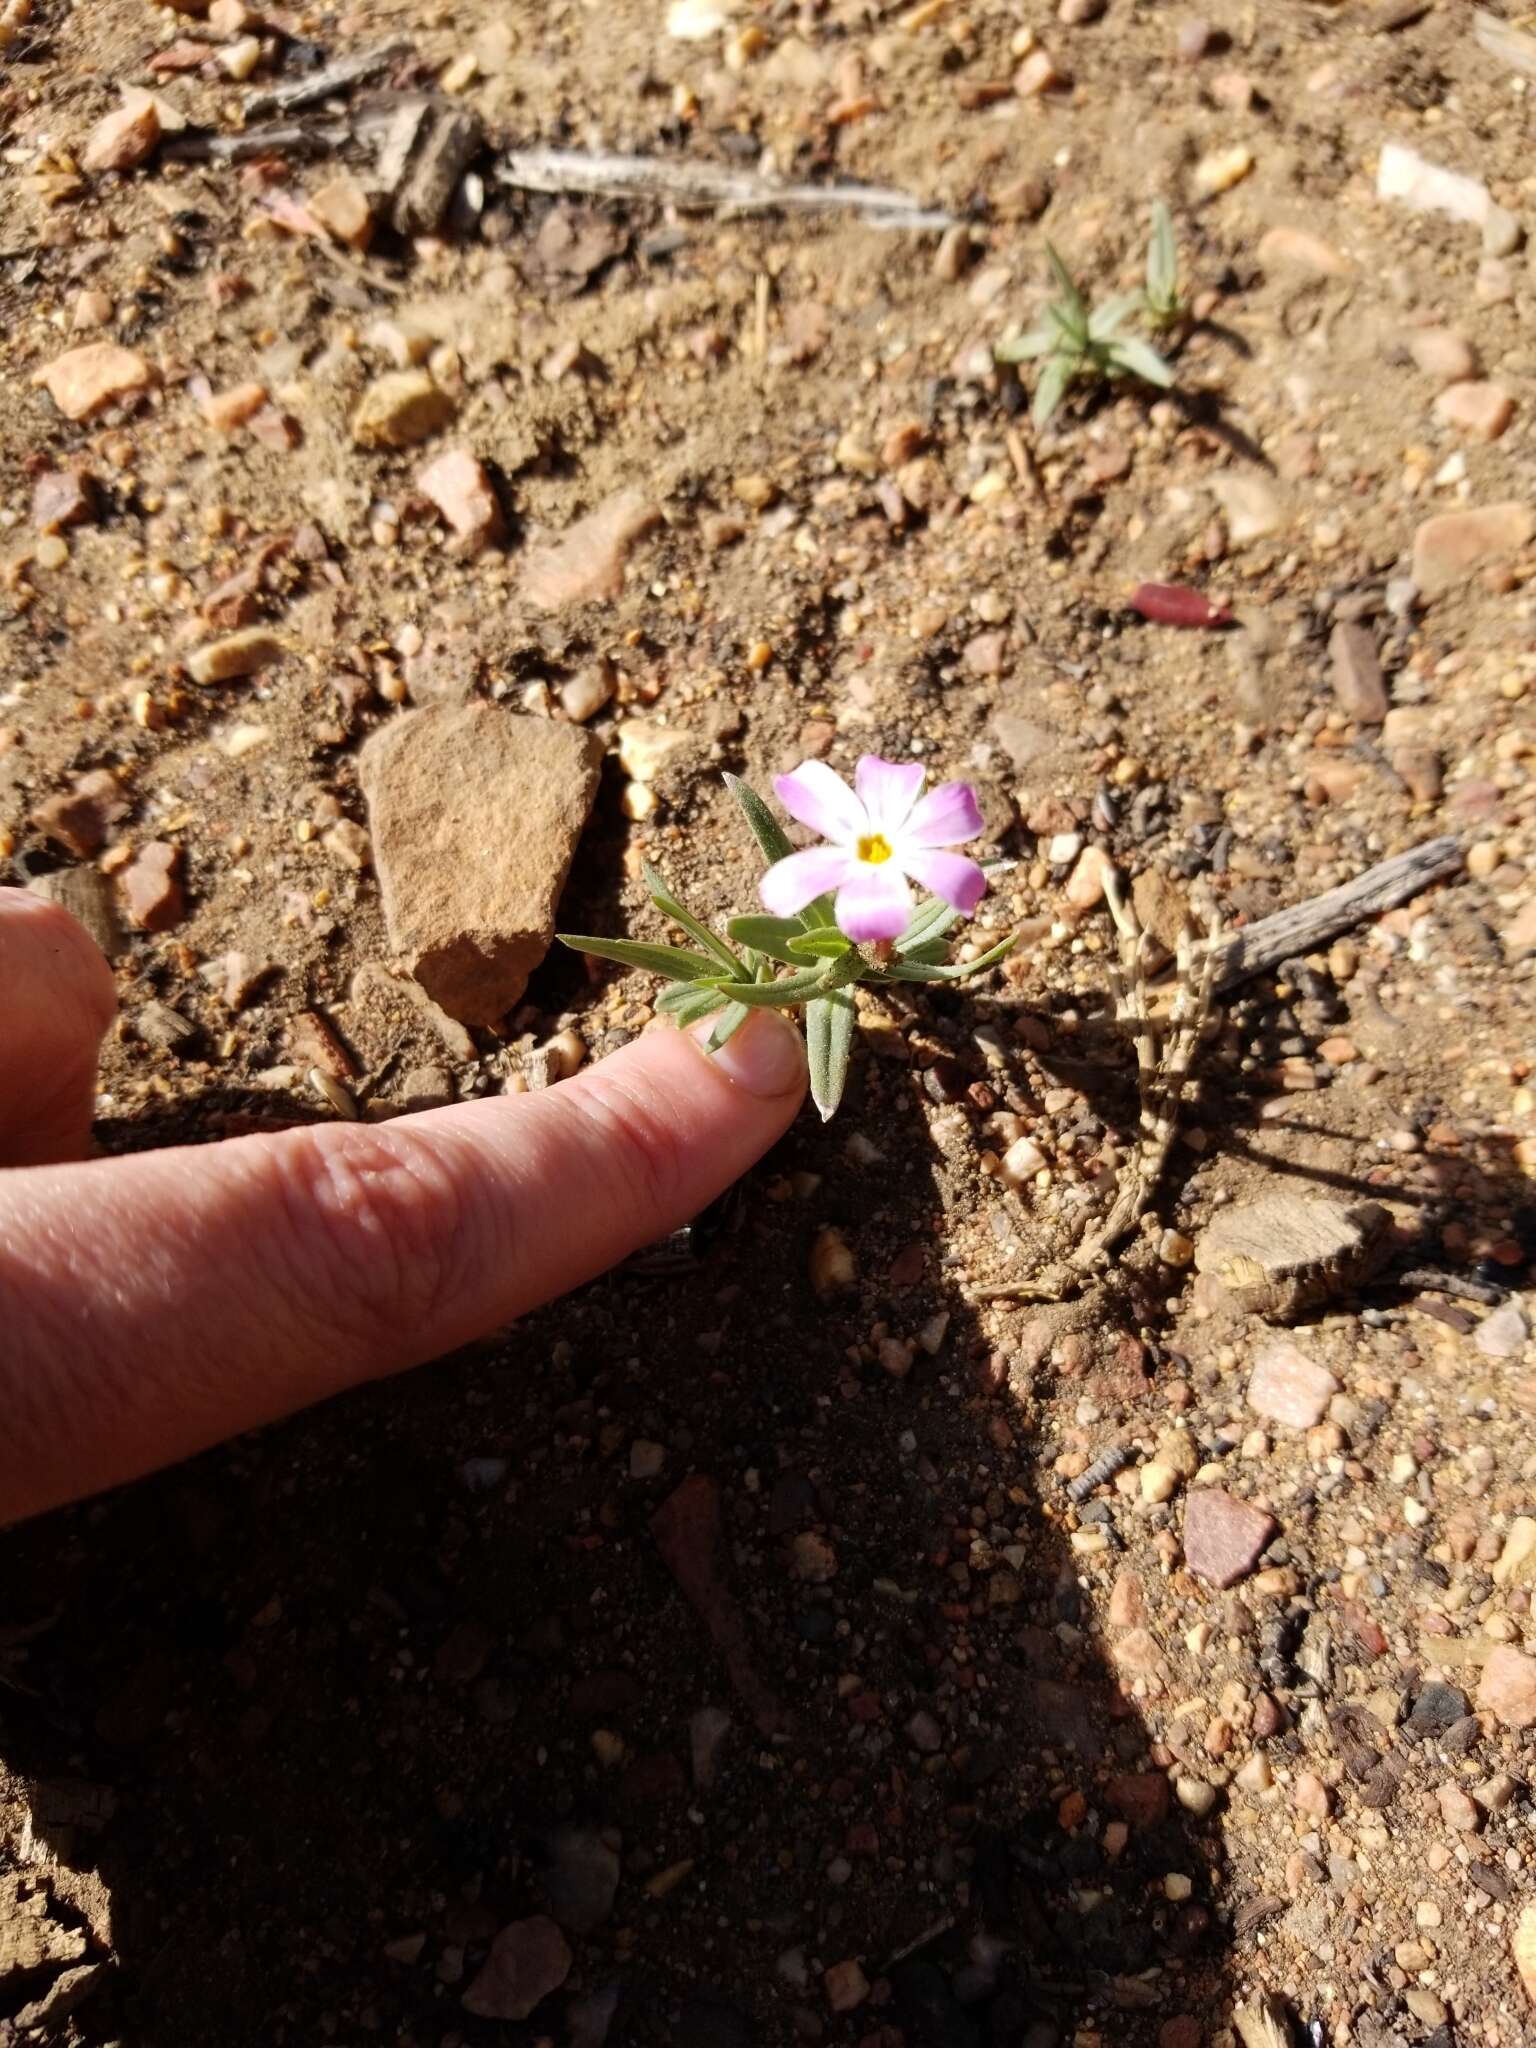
{"points": [[1162, 303], [1076, 341]]}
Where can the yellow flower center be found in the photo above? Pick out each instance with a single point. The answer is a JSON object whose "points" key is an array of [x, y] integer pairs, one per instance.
{"points": [[875, 848]]}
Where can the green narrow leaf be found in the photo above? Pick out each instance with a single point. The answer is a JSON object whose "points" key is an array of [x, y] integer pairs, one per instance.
{"points": [[819, 946], [688, 1001], [770, 935], [1050, 388], [1142, 360], [1162, 260], [1104, 319], [774, 846], [764, 826], [1067, 285], [730, 1021], [930, 922], [1023, 348], [911, 970], [829, 1022], [799, 988], [676, 962], [926, 953], [669, 906], [777, 995], [1071, 334]]}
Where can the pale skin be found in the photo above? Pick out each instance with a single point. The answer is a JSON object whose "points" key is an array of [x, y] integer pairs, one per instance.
{"points": [[153, 1305]]}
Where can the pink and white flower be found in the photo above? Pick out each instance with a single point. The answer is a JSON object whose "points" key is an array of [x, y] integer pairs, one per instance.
{"points": [[881, 834]]}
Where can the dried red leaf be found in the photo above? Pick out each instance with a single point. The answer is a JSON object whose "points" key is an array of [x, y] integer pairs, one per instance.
{"points": [[687, 1529], [1175, 604]]}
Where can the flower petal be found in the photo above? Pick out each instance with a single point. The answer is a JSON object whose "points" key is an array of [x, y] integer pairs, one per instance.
{"points": [[800, 878], [945, 816], [960, 882], [888, 789], [874, 902], [817, 796]]}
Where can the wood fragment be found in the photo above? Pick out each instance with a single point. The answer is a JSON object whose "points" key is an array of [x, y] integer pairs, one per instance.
{"points": [[1264, 2024], [328, 81], [442, 147], [1286, 1253], [1305, 926], [601, 174], [275, 138]]}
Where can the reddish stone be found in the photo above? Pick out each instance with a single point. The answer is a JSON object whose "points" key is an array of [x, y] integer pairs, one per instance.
{"points": [[152, 891], [1508, 1688], [61, 498], [1224, 1537], [1140, 1797], [587, 561], [527, 1961], [78, 820]]}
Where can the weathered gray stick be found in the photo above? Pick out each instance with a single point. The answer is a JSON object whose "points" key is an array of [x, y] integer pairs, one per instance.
{"points": [[330, 79], [712, 187], [1305, 925]]}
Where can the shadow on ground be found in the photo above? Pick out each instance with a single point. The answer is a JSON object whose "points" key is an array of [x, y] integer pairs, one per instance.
{"points": [[368, 1686]]}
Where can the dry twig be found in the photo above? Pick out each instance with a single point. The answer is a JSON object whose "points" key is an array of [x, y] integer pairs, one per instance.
{"points": [[711, 188], [1165, 1057]]}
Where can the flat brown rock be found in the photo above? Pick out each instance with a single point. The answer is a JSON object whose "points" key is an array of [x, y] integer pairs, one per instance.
{"points": [[1447, 548], [474, 816]]}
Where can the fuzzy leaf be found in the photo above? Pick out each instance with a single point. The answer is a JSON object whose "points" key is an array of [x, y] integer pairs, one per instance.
{"points": [[669, 906], [688, 1001], [1141, 359], [829, 1022], [926, 953], [1051, 387], [911, 970], [677, 962], [730, 1021], [819, 946], [770, 935], [930, 921], [1023, 348], [774, 846], [1076, 307], [1071, 333], [764, 826], [1104, 319], [1162, 261], [799, 988]]}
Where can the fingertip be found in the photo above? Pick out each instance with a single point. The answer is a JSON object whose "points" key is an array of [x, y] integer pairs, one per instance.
{"points": [[49, 954], [765, 1058]]}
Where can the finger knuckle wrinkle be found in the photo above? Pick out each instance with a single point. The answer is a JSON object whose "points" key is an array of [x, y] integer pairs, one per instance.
{"points": [[643, 1152], [379, 1218]]}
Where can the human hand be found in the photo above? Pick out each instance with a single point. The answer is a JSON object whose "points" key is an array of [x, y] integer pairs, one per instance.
{"points": [[152, 1305]]}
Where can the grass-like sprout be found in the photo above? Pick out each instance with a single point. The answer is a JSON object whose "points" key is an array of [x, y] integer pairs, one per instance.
{"points": [[1078, 342]]}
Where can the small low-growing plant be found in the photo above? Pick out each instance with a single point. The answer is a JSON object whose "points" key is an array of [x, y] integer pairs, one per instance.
{"points": [[838, 914], [1162, 303], [1075, 341]]}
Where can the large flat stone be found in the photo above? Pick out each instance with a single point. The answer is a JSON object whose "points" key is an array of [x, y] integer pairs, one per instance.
{"points": [[474, 816]]}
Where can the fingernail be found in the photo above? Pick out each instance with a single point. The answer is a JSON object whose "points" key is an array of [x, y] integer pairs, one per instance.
{"points": [[765, 1057]]}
